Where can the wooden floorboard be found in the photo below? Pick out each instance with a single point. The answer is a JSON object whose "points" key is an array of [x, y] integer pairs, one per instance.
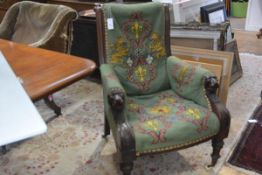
{"points": [[248, 42]]}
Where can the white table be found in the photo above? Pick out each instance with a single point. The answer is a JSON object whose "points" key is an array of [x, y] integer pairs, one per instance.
{"points": [[19, 118]]}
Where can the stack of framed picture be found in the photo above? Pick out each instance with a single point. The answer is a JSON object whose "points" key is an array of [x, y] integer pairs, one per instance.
{"points": [[201, 35], [216, 13], [218, 62], [218, 37]]}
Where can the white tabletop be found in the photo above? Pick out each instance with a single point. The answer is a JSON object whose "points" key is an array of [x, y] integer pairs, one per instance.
{"points": [[19, 118]]}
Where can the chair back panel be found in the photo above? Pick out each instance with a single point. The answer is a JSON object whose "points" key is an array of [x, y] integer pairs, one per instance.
{"points": [[135, 43]]}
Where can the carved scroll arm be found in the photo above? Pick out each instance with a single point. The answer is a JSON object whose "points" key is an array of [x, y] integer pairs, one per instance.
{"points": [[211, 85]]}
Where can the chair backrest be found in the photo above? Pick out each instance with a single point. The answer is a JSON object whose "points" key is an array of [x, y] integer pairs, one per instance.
{"points": [[43, 25], [135, 39]]}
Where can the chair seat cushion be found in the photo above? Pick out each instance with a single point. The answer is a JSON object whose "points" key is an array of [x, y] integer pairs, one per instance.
{"points": [[165, 121]]}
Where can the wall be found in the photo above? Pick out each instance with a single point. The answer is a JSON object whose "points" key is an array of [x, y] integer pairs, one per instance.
{"points": [[254, 15]]}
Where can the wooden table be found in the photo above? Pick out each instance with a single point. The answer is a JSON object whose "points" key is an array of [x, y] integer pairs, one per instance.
{"points": [[44, 72]]}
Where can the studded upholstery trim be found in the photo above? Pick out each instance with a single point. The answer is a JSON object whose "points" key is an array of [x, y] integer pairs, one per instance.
{"points": [[169, 148]]}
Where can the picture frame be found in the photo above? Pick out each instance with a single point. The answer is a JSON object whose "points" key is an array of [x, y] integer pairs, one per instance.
{"points": [[201, 35], [197, 39], [224, 59], [237, 70], [213, 13]]}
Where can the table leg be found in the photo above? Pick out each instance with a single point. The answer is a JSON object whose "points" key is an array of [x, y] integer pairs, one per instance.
{"points": [[51, 104], [3, 149]]}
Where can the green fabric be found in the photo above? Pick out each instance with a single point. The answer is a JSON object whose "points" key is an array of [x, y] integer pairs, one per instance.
{"points": [[187, 80], [136, 46], [165, 120], [110, 79]]}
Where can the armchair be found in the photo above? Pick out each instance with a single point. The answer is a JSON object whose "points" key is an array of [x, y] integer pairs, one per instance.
{"points": [[41, 25], [153, 102]]}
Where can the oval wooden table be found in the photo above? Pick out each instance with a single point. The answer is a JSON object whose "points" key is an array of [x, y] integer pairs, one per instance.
{"points": [[43, 72]]}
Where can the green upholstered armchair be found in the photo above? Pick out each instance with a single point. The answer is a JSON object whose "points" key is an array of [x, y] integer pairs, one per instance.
{"points": [[39, 25], [153, 102]]}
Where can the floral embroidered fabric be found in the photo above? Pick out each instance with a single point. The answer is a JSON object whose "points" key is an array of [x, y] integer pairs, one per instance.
{"points": [[135, 46], [165, 119], [188, 80]]}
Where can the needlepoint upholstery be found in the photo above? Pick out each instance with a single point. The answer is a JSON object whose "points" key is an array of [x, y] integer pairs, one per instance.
{"points": [[136, 46], [165, 121], [188, 80]]}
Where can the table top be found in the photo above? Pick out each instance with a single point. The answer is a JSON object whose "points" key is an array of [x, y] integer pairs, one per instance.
{"points": [[19, 118], [44, 72]]}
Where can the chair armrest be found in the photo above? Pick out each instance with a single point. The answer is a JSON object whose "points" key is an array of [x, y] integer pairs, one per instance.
{"points": [[188, 81], [113, 89], [8, 23], [115, 96], [211, 85]]}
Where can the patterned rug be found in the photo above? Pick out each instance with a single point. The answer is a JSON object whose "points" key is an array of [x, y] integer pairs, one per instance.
{"points": [[73, 144], [248, 152]]}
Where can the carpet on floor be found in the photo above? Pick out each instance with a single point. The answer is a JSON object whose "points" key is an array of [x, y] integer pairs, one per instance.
{"points": [[73, 144], [248, 152]]}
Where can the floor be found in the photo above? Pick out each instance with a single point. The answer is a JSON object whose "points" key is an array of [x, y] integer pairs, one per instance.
{"points": [[247, 43]]}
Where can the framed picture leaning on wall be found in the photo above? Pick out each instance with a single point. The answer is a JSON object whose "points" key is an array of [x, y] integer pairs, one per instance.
{"points": [[213, 13]]}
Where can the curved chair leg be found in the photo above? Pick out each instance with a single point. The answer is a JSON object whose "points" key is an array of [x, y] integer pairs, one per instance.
{"points": [[127, 161], [126, 167], [217, 145], [106, 127]]}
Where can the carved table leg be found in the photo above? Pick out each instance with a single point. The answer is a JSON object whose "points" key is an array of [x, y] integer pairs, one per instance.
{"points": [[106, 127], [51, 104], [217, 144], [3, 149]]}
